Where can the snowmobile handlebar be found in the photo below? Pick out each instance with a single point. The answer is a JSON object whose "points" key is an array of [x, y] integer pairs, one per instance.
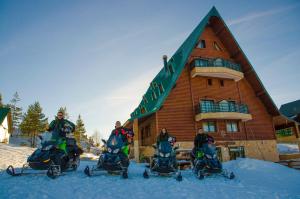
{"points": [[104, 141]]}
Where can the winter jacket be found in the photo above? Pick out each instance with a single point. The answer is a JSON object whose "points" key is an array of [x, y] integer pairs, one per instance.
{"points": [[163, 137], [125, 133], [201, 139], [57, 126]]}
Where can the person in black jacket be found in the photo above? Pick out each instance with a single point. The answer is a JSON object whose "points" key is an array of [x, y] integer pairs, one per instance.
{"points": [[200, 139], [165, 136]]}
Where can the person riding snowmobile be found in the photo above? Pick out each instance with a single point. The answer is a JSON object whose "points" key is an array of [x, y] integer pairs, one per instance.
{"points": [[59, 128], [200, 139], [126, 134], [164, 136]]}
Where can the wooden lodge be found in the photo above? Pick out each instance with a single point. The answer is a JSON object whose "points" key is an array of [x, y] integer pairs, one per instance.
{"points": [[208, 83]]}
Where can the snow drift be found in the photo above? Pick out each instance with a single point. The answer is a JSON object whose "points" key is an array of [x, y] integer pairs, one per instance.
{"points": [[254, 179]]}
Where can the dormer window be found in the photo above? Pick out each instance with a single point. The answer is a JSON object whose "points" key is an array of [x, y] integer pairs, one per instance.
{"points": [[201, 44], [161, 88], [143, 110], [170, 67], [145, 100], [153, 95]]}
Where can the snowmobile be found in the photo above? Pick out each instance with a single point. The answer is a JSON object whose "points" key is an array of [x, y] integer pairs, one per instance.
{"points": [[207, 163], [49, 157], [111, 158], [164, 162]]}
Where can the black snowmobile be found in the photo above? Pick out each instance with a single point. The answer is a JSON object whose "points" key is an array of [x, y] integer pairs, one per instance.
{"points": [[164, 162], [112, 159], [49, 157], [206, 163]]}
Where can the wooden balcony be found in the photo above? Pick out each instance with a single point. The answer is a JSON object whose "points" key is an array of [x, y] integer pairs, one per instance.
{"points": [[216, 68], [223, 111]]}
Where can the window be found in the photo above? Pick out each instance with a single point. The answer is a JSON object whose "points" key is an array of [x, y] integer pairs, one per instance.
{"points": [[209, 127], [145, 100], [201, 44], [207, 106], [232, 126], [227, 106], [143, 110], [209, 82], [161, 88], [222, 83], [153, 95], [218, 62], [217, 47]]}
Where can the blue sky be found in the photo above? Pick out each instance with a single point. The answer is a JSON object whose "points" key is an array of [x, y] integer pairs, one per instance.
{"points": [[97, 58]]}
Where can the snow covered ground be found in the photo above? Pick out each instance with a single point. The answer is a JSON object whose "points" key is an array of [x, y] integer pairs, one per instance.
{"points": [[254, 179], [287, 148]]}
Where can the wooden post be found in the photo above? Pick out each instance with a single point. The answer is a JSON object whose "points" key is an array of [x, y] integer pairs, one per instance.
{"points": [[136, 140]]}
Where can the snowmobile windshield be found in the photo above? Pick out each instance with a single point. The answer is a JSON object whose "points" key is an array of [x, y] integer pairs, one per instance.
{"points": [[209, 149], [165, 147], [115, 141]]}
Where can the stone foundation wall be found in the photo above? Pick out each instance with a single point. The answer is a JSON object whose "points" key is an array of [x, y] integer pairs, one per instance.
{"points": [[257, 149]]}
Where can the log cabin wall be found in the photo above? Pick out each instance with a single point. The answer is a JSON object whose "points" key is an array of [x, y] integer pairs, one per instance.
{"points": [[147, 130], [178, 111], [176, 114]]}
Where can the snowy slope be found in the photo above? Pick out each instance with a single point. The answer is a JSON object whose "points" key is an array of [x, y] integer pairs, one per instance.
{"points": [[255, 179]]}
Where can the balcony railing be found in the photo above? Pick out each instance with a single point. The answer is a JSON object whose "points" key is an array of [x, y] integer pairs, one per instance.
{"points": [[222, 107], [199, 62]]}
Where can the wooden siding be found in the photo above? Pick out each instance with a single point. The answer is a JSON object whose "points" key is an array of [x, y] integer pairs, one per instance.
{"points": [[178, 111]]}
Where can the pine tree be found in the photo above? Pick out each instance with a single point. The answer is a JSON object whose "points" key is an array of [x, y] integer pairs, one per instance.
{"points": [[16, 111], [64, 111], [34, 122], [1, 104], [79, 130]]}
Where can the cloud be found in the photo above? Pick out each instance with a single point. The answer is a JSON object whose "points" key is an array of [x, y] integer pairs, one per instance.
{"points": [[107, 107], [257, 15]]}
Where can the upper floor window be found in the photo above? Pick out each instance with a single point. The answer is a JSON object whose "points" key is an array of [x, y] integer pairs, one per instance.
{"points": [[221, 82], [207, 106], [227, 106], [216, 46], [209, 82], [201, 44], [209, 127]]}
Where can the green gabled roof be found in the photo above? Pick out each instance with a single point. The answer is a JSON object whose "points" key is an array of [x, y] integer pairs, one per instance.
{"points": [[177, 62], [290, 109], [3, 113], [165, 77]]}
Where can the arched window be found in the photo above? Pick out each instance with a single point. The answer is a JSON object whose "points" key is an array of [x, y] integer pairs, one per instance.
{"points": [[218, 62]]}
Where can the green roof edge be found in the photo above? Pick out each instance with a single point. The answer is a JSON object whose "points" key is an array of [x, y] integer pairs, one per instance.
{"points": [[184, 51]]}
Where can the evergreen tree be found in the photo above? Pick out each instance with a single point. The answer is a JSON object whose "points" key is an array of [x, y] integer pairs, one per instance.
{"points": [[1, 103], [34, 122], [80, 131], [80, 127], [16, 111], [64, 111]]}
